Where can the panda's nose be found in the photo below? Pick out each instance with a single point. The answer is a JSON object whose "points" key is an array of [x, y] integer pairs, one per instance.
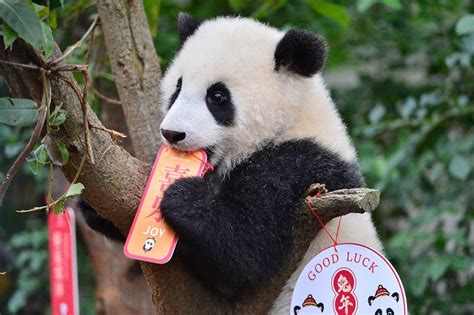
{"points": [[173, 136]]}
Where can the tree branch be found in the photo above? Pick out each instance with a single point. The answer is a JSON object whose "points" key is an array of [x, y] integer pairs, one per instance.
{"points": [[114, 186]]}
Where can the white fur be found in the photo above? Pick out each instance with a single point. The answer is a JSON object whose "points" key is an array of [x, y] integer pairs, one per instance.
{"points": [[270, 106]]}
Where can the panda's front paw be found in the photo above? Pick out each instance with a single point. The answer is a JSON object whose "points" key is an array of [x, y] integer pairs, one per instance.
{"points": [[182, 204]]}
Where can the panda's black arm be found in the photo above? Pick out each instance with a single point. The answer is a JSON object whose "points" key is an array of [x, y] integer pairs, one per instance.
{"points": [[99, 224], [238, 232]]}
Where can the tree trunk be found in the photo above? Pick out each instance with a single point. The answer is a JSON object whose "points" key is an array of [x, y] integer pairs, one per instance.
{"points": [[120, 285]]}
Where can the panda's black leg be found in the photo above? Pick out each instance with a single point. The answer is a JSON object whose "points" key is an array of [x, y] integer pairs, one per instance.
{"points": [[99, 224]]}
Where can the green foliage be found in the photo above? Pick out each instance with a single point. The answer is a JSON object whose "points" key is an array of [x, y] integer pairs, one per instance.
{"points": [[17, 111], [416, 142], [23, 21], [30, 251], [57, 118]]}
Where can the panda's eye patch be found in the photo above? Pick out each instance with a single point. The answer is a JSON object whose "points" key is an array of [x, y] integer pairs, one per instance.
{"points": [[218, 94], [219, 103], [179, 83], [176, 92]]}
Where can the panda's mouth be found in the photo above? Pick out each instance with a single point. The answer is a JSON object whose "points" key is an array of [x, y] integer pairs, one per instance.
{"points": [[209, 149]]}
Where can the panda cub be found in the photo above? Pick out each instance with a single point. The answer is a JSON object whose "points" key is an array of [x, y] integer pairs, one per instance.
{"points": [[252, 97]]}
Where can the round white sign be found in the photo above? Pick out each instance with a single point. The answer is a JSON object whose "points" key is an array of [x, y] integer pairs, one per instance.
{"points": [[349, 279]]}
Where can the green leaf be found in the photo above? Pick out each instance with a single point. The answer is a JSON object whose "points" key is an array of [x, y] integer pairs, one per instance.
{"points": [[377, 113], [39, 158], [64, 152], [17, 111], [58, 117], [23, 20], [468, 44], [9, 35], [459, 167], [395, 4], [48, 40], [401, 240], [59, 206], [460, 263], [333, 11], [53, 19], [408, 107], [364, 5], [465, 25], [17, 301], [40, 10], [74, 190], [435, 172], [418, 283], [438, 267]]}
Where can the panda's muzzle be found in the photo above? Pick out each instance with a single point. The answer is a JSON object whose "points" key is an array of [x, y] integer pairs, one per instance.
{"points": [[173, 137]]}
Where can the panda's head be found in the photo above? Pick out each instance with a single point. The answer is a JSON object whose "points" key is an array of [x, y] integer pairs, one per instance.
{"points": [[384, 303], [149, 243], [235, 85]]}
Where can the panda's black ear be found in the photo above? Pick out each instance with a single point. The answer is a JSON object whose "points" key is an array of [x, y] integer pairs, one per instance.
{"points": [[370, 300], [396, 296], [187, 25], [301, 52]]}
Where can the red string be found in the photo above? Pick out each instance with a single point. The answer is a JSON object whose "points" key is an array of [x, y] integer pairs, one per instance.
{"points": [[208, 166], [310, 206]]}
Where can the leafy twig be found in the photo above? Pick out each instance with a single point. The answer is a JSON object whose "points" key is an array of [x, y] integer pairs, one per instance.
{"points": [[113, 133], [35, 137], [82, 98], [63, 196], [21, 65], [70, 49]]}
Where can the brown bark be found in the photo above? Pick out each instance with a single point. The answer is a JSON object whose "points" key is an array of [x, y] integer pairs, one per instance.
{"points": [[136, 71], [114, 186], [120, 286]]}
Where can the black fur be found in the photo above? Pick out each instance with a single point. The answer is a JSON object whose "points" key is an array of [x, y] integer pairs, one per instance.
{"points": [[187, 25], [175, 94], [238, 231], [99, 224], [224, 111], [301, 52]]}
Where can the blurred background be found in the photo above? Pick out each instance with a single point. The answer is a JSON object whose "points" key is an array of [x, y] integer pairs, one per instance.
{"points": [[401, 74]]}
